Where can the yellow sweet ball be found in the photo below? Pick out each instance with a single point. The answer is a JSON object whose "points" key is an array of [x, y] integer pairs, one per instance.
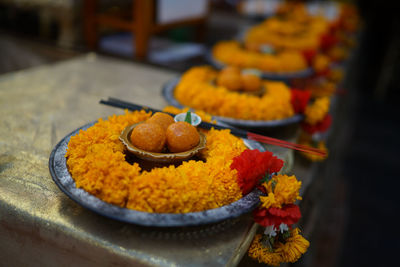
{"points": [[230, 80], [230, 70], [250, 82], [149, 137], [181, 136], [162, 119], [251, 46]]}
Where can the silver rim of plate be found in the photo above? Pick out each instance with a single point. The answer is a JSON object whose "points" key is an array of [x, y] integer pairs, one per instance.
{"points": [[62, 177]]}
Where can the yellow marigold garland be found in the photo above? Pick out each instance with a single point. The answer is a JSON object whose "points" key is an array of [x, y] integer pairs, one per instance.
{"points": [[306, 139], [231, 53], [300, 32], [295, 246], [282, 189], [277, 213], [96, 161], [321, 63], [320, 145], [263, 254], [290, 251], [195, 89], [315, 112]]}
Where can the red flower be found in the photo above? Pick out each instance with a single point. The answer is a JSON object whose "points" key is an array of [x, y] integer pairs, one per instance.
{"points": [[262, 189], [327, 41], [288, 214], [252, 165], [309, 55], [299, 99], [334, 27], [321, 126], [322, 73]]}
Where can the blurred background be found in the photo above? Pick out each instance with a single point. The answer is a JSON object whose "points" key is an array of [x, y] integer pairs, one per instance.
{"points": [[359, 194]]}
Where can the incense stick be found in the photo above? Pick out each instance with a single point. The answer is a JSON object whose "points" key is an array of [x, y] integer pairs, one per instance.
{"points": [[235, 131]]}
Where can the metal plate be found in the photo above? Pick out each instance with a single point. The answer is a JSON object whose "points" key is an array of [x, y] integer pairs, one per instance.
{"points": [[168, 93], [62, 177], [275, 76]]}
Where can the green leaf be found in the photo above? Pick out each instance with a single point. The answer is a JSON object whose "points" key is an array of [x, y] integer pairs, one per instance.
{"points": [[188, 117], [268, 242], [273, 184], [286, 235], [265, 178]]}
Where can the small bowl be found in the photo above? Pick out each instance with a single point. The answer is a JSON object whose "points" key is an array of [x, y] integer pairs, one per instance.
{"points": [[252, 71], [196, 119], [159, 157]]}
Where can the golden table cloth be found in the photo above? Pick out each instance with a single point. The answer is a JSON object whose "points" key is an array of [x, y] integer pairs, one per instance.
{"points": [[39, 225]]}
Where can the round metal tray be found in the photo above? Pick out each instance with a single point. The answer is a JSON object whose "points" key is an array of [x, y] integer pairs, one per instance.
{"points": [[62, 177], [168, 93]]}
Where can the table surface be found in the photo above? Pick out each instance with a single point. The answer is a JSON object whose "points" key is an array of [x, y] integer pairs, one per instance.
{"points": [[40, 106]]}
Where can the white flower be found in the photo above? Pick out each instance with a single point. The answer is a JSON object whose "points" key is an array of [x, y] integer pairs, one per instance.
{"points": [[270, 231], [283, 227]]}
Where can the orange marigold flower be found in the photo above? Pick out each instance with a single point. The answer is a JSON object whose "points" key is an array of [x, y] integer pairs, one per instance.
{"points": [[96, 161], [321, 63], [263, 254], [286, 61], [196, 86], [320, 127], [306, 139], [294, 247], [289, 251], [299, 31], [282, 189], [317, 111]]}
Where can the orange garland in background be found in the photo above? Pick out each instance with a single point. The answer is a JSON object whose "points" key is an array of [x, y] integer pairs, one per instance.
{"points": [[293, 40], [307, 140], [277, 102], [232, 53], [196, 86], [317, 111], [297, 31]]}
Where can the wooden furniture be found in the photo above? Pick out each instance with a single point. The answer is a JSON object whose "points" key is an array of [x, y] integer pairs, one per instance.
{"points": [[63, 13], [143, 23]]}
